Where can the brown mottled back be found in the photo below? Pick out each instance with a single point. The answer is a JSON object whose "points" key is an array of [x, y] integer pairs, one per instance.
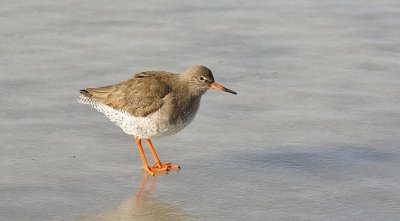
{"points": [[140, 96]]}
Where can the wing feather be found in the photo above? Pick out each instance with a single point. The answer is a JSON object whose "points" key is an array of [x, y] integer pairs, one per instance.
{"points": [[140, 96]]}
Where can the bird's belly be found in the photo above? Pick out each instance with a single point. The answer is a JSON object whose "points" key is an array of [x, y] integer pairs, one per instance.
{"points": [[167, 128], [156, 124], [153, 125]]}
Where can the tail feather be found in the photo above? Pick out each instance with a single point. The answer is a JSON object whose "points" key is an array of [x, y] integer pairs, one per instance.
{"points": [[85, 93], [85, 97], [100, 94]]}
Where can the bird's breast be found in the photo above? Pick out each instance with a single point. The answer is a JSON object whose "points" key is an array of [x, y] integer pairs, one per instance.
{"points": [[188, 111], [178, 117]]}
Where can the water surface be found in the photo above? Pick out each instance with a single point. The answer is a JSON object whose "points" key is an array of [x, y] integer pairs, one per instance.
{"points": [[313, 133]]}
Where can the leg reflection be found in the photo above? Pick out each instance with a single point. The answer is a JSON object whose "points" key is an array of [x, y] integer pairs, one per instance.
{"points": [[142, 206], [142, 192]]}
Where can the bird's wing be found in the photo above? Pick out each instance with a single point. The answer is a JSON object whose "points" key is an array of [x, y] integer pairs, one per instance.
{"points": [[140, 96]]}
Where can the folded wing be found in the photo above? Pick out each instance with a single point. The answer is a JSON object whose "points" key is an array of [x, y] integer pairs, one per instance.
{"points": [[140, 96]]}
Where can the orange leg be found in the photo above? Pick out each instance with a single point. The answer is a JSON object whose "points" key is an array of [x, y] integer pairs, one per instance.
{"points": [[158, 164], [144, 160]]}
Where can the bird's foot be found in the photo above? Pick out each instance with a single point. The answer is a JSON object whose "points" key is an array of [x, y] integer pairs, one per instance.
{"points": [[153, 171], [166, 166]]}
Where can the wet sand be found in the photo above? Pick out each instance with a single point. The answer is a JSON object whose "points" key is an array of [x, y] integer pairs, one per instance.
{"points": [[313, 133]]}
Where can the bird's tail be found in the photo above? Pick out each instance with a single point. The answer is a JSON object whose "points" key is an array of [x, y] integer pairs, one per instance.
{"points": [[85, 97]]}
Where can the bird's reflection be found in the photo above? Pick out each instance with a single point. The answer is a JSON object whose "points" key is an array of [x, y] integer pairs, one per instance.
{"points": [[142, 206]]}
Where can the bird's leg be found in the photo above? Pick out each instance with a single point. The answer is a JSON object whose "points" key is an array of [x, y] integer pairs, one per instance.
{"points": [[145, 165], [158, 164], [156, 159]]}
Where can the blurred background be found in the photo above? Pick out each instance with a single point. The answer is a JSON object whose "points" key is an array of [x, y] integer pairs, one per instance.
{"points": [[313, 133]]}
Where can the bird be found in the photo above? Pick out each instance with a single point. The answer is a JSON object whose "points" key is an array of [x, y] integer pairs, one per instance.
{"points": [[153, 104]]}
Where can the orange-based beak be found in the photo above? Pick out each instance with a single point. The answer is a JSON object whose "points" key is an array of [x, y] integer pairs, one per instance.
{"points": [[221, 88]]}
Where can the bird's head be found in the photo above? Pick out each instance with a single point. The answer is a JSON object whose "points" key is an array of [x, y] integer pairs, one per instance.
{"points": [[200, 79]]}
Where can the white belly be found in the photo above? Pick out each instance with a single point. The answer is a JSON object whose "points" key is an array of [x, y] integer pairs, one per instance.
{"points": [[143, 127]]}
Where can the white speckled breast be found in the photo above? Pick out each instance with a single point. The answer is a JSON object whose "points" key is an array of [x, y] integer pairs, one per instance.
{"points": [[143, 127]]}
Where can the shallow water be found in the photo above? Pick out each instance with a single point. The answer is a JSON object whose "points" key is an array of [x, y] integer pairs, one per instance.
{"points": [[313, 133]]}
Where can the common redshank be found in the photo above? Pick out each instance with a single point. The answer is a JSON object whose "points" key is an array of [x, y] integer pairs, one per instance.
{"points": [[153, 104]]}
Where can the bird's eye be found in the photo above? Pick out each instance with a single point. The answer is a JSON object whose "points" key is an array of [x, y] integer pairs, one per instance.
{"points": [[201, 78]]}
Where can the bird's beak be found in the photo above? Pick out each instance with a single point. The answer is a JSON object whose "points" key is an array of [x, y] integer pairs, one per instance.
{"points": [[221, 88]]}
